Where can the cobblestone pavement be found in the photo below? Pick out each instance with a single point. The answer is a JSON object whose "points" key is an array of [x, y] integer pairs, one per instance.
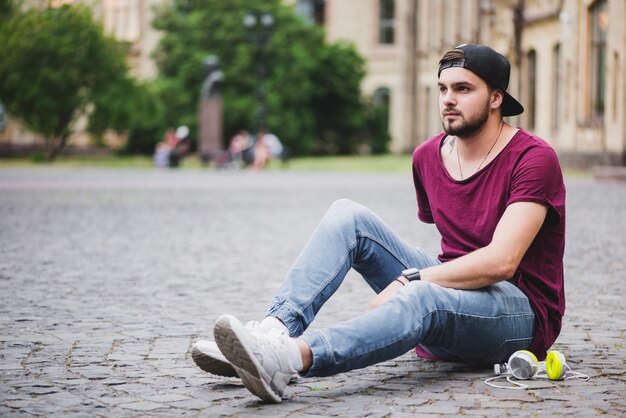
{"points": [[108, 277]]}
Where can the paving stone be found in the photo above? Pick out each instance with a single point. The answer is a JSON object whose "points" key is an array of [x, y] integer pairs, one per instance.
{"points": [[166, 398], [190, 404], [63, 399], [142, 406], [115, 400], [18, 404], [440, 409]]}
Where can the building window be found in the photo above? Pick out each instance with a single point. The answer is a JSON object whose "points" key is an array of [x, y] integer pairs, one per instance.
{"points": [[616, 75], [428, 112], [121, 18], [556, 86], [382, 100], [312, 11], [532, 89], [599, 25], [387, 22], [382, 97]]}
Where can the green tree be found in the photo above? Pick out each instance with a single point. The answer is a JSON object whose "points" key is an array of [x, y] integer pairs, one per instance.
{"points": [[57, 66], [146, 120], [312, 89], [339, 110], [7, 8], [129, 107]]}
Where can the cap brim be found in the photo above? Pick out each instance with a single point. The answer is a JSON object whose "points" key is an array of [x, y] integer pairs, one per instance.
{"points": [[510, 106]]}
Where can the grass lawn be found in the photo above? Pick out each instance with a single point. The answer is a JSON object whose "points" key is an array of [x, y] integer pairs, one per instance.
{"points": [[389, 163], [382, 163], [366, 163]]}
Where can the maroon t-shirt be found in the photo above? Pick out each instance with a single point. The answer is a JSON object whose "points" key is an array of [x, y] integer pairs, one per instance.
{"points": [[467, 211]]}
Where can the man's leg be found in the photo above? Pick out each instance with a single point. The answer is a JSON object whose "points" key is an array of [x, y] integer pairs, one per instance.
{"points": [[348, 236], [482, 326]]}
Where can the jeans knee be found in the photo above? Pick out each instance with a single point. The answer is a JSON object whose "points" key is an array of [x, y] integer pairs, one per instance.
{"points": [[349, 208], [343, 210], [342, 205], [347, 215]]}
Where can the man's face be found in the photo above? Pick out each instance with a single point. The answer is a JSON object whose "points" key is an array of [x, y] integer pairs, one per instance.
{"points": [[464, 101]]}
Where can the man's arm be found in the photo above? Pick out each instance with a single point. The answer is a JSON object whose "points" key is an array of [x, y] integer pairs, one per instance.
{"points": [[499, 260]]}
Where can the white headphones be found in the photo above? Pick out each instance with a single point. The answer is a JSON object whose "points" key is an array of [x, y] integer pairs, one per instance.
{"points": [[523, 365]]}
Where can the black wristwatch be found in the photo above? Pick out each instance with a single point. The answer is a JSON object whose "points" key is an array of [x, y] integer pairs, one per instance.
{"points": [[411, 274]]}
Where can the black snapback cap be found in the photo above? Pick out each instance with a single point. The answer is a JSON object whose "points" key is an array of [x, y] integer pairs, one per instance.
{"points": [[492, 67]]}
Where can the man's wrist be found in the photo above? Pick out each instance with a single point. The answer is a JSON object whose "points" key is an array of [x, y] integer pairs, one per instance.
{"points": [[402, 280]]}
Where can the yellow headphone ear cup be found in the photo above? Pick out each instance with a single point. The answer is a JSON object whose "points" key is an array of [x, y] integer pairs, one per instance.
{"points": [[555, 365]]}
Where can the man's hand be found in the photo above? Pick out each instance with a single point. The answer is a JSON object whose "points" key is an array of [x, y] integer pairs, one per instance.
{"points": [[387, 293]]}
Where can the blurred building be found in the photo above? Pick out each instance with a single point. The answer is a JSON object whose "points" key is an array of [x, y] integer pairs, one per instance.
{"points": [[128, 21], [568, 58]]}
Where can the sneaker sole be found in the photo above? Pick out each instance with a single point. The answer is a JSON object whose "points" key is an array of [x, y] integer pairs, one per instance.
{"points": [[229, 336], [212, 365]]}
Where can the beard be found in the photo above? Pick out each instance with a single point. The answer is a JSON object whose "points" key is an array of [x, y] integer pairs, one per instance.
{"points": [[467, 127]]}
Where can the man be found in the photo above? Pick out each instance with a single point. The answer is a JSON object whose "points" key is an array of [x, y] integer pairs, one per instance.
{"points": [[495, 193]]}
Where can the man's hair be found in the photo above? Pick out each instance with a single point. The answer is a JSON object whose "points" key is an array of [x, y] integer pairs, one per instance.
{"points": [[452, 55]]}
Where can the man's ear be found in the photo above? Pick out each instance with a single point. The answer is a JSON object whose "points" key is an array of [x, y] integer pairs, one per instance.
{"points": [[497, 97]]}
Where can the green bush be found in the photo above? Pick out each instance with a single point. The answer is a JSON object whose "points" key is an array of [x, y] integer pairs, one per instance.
{"points": [[312, 89]]}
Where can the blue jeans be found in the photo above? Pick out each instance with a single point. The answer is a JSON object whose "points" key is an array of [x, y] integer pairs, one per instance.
{"points": [[479, 326]]}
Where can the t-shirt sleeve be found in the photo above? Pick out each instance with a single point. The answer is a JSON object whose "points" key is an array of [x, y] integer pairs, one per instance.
{"points": [[423, 213], [538, 178]]}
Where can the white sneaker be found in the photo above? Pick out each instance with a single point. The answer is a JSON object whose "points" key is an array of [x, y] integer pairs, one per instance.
{"points": [[207, 356], [260, 359]]}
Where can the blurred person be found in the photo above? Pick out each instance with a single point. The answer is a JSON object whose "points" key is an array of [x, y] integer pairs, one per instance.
{"points": [[161, 155], [273, 143], [164, 148], [171, 138], [496, 195], [239, 144], [180, 145], [262, 152]]}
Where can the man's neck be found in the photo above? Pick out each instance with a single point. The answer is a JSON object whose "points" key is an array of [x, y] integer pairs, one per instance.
{"points": [[465, 156], [475, 146]]}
